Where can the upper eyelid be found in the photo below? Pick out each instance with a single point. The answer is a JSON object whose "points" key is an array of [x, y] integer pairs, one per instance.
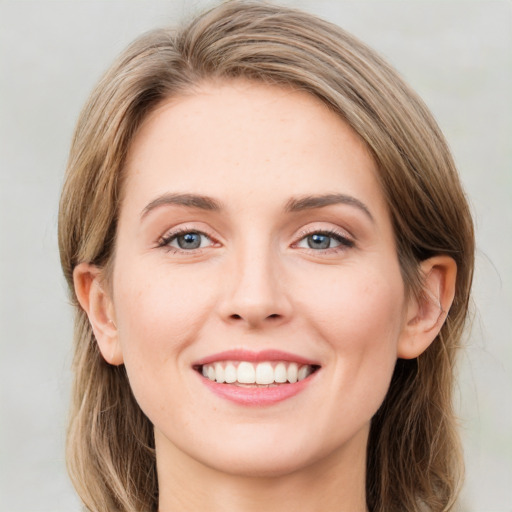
{"points": [[345, 239], [181, 229], [174, 236], [172, 233], [342, 233]]}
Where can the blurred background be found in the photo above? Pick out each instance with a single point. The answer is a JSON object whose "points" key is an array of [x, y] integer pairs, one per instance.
{"points": [[456, 54]]}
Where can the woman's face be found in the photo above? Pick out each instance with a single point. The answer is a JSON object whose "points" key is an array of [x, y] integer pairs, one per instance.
{"points": [[254, 242]]}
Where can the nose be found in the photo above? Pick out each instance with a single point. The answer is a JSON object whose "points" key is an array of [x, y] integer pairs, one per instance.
{"points": [[254, 291]]}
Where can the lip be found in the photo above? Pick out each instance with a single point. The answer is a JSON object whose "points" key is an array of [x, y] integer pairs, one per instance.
{"points": [[253, 396], [256, 396], [251, 356]]}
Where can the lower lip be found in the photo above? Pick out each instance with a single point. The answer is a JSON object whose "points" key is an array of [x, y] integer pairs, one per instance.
{"points": [[256, 395]]}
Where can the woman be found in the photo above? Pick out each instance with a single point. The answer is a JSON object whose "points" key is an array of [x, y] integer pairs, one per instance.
{"points": [[271, 257]]}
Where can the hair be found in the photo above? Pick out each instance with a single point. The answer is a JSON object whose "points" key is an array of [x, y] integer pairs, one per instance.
{"points": [[413, 457]]}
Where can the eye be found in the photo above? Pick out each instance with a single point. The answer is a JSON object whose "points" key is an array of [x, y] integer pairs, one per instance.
{"points": [[324, 240], [186, 240]]}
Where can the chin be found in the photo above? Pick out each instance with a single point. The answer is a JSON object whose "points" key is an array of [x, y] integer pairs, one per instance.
{"points": [[277, 465], [265, 458]]}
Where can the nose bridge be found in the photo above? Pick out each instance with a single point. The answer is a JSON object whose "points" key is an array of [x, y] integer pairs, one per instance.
{"points": [[255, 292]]}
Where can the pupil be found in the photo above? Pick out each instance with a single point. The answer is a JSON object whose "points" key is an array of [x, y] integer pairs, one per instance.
{"points": [[189, 241], [319, 241]]}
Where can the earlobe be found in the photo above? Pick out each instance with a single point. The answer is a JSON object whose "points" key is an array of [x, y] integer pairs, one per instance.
{"points": [[426, 314], [98, 305]]}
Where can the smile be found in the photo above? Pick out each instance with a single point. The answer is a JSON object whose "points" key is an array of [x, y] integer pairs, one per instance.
{"points": [[256, 378], [266, 373]]}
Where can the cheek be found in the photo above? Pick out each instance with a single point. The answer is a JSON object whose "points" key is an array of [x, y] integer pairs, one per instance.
{"points": [[356, 307], [159, 313], [371, 315], [359, 314]]}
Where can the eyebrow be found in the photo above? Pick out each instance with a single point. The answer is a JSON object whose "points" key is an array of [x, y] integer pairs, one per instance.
{"points": [[320, 201], [293, 205], [188, 200]]}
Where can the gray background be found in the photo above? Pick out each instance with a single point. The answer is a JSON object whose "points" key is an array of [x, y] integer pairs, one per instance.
{"points": [[457, 54]]}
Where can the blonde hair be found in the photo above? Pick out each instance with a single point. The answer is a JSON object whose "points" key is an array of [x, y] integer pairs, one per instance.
{"points": [[413, 460]]}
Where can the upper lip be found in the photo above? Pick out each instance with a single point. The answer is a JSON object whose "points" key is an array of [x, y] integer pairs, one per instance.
{"points": [[253, 356]]}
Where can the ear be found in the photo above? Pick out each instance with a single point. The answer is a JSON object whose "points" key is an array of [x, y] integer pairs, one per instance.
{"points": [[426, 314], [96, 302]]}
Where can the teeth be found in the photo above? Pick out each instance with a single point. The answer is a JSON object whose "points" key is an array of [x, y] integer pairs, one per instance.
{"points": [[264, 373], [303, 373], [230, 373], [219, 373], [292, 372], [280, 373], [245, 373]]}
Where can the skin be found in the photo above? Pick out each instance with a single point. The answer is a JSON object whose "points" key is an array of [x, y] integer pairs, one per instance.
{"points": [[255, 284]]}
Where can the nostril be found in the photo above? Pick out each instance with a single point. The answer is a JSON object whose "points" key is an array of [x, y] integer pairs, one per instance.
{"points": [[236, 316]]}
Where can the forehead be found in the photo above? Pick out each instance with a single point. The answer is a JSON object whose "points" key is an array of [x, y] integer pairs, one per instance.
{"points": [[244, 138]]}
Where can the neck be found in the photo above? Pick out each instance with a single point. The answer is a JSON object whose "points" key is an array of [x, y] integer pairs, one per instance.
{"points": [[334, 483]]}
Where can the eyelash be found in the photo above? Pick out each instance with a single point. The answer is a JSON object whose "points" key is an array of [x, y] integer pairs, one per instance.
{"points": [[165, 241], [344, 242]]}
